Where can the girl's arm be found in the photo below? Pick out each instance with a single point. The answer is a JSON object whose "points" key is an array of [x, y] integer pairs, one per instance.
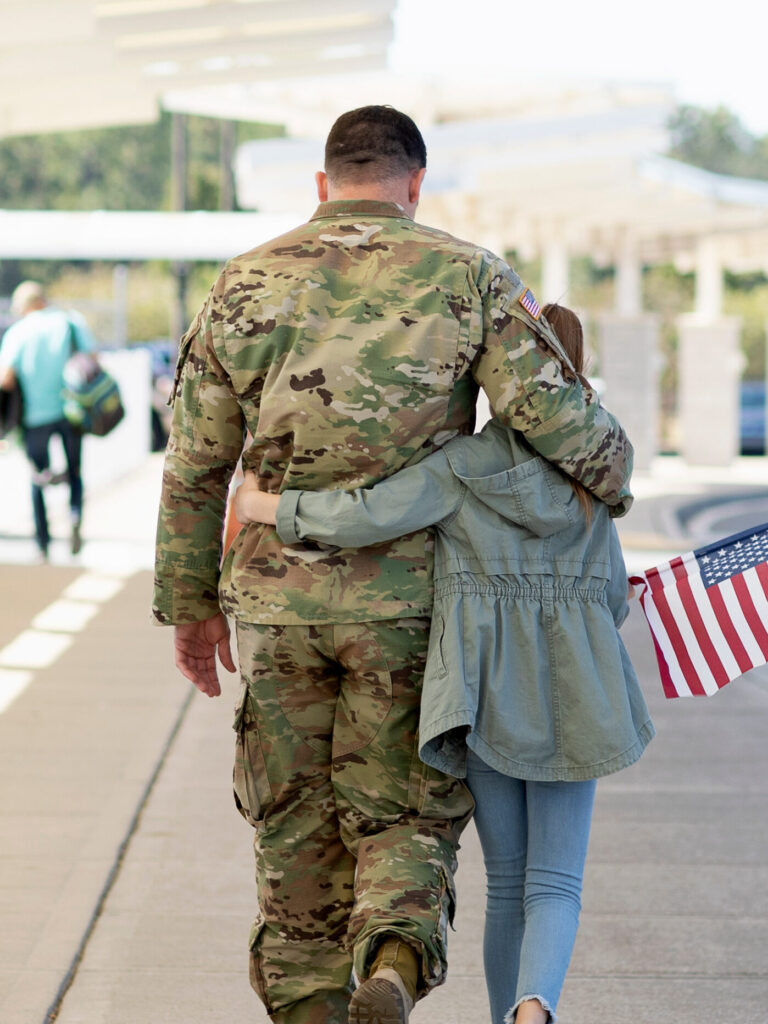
{"points": [[409, 500], [252, 505]]}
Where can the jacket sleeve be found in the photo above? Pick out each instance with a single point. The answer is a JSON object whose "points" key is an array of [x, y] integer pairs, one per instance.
{"points": [[616, 592], [521, 370], [406, 501], [204, 445]]}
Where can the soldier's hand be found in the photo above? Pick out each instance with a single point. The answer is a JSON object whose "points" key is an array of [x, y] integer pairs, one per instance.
{"points": [[196, 645]]}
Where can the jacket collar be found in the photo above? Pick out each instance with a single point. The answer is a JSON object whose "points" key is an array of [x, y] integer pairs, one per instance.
{"points": [[356, 208]]}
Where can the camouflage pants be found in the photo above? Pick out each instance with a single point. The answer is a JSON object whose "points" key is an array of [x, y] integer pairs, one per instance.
{"points": [[355, 837]]}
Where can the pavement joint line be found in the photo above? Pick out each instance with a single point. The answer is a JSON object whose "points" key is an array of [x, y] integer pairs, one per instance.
{"points": [[53, 631], [54, 1009]]}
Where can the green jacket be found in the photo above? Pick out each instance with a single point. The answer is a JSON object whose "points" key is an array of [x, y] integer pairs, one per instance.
{"points": [[348, 349], [525, 664]]}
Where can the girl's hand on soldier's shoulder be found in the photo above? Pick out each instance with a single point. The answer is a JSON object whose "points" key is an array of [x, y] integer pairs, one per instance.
{"points": [[252, 505]]}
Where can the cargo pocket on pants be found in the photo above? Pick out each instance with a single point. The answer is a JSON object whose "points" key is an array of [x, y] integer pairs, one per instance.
{"points": [[255, 972], [249, 777], [436, 955]]}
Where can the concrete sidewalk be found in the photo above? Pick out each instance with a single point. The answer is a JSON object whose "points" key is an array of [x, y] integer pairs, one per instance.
{"points": [[126, 875]]}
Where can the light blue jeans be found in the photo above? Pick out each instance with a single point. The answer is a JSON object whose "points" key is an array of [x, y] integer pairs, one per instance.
{"points": [[534, 837]]}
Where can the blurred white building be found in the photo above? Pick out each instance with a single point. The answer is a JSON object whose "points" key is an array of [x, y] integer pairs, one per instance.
{"points": [[553, 171], [557, 173]]}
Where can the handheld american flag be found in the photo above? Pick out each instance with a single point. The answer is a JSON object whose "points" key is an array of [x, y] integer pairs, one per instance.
{"points": [[708, 613]]}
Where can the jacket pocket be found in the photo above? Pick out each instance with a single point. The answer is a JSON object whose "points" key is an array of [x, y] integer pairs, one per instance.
{"points": [[184, 346], [437, 645]]}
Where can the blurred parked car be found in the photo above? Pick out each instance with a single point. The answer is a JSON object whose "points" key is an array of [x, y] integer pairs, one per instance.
{"points": [[163, 354], [752, 417]]}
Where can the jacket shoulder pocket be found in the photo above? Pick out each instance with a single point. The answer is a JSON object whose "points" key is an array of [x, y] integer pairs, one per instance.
{"points": [[184, 346]]}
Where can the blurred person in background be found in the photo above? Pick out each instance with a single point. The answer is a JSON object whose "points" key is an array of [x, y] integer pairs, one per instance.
{"points": [[34, 353]]}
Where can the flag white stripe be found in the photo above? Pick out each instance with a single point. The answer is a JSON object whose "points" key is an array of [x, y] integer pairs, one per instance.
{"points": [[740, 624], [667, 577], [665, 645], [707, 612], [691, 563], [693, 650]]}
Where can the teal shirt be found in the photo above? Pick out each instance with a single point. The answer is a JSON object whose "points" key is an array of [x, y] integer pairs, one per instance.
{"points": [[525, 663], [36, 348]]}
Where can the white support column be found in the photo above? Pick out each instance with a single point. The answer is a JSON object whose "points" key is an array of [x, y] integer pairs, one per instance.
{"points": [[629, 366], [629, 356], [710, 364], [555, 272], [709, 370], [628, 300], [119, 305], [709, 280]]}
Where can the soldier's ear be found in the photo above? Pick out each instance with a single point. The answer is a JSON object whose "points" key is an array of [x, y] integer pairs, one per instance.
{"points": [[321, 180], [414, 185]]}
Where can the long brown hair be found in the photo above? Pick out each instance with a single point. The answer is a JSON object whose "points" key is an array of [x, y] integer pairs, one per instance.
{"points": [[567, 327]]}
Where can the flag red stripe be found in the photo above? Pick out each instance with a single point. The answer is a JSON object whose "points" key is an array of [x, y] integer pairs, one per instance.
{"points": [[700, 631], [750, 614], [670, 690], [667, 617], [738, 650]]}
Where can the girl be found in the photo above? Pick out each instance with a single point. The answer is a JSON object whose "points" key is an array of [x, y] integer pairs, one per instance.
{"points": [[528, 692]]}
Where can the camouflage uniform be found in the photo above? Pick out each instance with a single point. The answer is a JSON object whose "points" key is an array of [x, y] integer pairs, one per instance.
{"points": [[349, 348]]}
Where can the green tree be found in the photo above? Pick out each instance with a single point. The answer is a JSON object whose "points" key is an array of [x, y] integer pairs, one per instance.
{"points": [[105, 169], [716, 140], [126, 168]]}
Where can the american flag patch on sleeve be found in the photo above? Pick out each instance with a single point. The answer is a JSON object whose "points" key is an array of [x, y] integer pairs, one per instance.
{"points": [[528, 301]]}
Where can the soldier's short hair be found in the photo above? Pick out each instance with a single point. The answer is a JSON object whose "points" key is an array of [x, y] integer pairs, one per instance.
{"points": [[373, 143]]}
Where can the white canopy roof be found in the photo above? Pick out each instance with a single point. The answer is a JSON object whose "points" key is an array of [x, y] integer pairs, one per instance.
{"points": [[583, 173], [511, 164], [68, 64], [106, 235], [578, 166]]}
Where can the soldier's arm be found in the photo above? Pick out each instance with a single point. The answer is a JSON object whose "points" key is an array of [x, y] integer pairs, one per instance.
{"points": [[406, 501], [205, 442], [560, 415]]}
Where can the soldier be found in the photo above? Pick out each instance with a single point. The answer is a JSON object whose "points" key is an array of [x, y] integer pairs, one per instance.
{"points": [[349, 348]]}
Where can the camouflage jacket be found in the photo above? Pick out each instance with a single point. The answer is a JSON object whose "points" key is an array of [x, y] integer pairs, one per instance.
{"points": [[347, 349]]}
